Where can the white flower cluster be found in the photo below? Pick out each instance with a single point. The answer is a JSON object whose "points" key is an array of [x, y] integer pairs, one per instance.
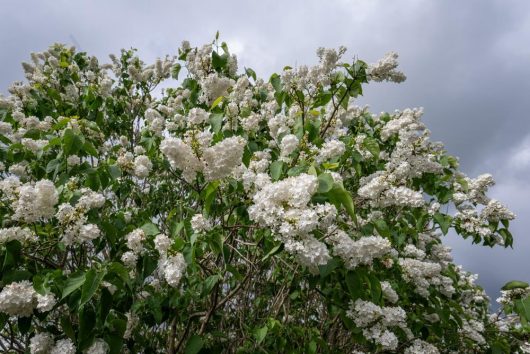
{"points": [[63, 346], [388, 292], [73, 160], [173, 269], [20, 299], [421, 347], [378, 190], [200, 224], [360, 252], [98, 347], [385, 69], [142, 166], [162, 243], [34, 145], [35, 202], [217, 161], [288, 145], [135, 240], [310, 78], [330, 149], [73, 219], [375, 321], [423, 273], [221, 159], [155, 122], [214, 86], [22, 235], [508, 296], [182, 157], [41, 343], [473, 330], [285, 207]]}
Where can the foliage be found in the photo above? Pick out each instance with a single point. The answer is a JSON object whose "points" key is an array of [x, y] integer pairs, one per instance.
{"points": [[233, 214]]}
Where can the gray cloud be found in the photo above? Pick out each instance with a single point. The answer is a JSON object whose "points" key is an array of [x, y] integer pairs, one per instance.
{"points": [[466, 64]]}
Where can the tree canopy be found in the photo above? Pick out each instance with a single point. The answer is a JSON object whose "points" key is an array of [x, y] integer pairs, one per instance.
{"points": [[228, 213]]}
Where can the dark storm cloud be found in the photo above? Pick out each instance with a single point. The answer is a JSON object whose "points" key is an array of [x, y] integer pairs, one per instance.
{"points": [[466, 61]]}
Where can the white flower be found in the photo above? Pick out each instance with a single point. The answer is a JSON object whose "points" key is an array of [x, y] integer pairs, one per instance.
{"points": [[88, 232], [162, 243], [221, 159], [135, 240], [98, 347], [41, 343], [385, 69], [63, 346], [330, 150], [142, 166], [200, 224], [173, 269], [421, 347], [129, 259], [22, 235], [181, 156], [35, 203], [46, 302], [388, 292], [197, 116], [132, 321], [73, 160], [360, 252], [34, 145], [288, 145], [18, 299]]}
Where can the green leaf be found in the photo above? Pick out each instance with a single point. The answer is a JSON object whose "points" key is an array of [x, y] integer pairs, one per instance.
{"points": [[216, 102], [322, 99], [372, 146], [276, 169], [53, 165], [66, 326], [208, 195], [276, 82], [90, 149], [210, 282], [24, 324], [325, 183], [515, 284], [150, 229], [87, 322], [194, 345], [114, 171], [275, 250], [327, 269], [444, 221], [375, 289], [382, 228], [339, 196], [73, 283], [296, 170], [331, 165], [12, 255], [250, 73], [260, 334], [91, 285], [175, 70], [219, 61], [216, 121], [522, 308], [72, 142], [354, 284]]}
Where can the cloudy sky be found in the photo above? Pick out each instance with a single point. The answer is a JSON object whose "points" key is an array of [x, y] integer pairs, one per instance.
{"points": [[467, 62]]}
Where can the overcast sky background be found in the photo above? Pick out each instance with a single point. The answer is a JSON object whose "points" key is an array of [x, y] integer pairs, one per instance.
{"points": [[467, 62]]}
